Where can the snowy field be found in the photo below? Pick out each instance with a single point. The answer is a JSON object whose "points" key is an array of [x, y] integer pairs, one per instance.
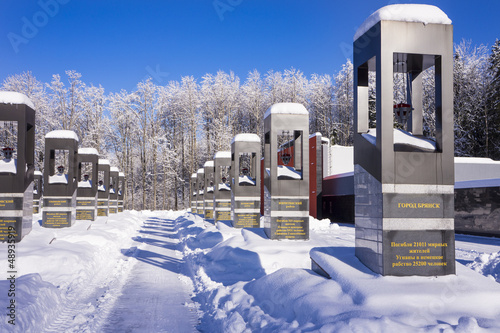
{"points": [[176, 272]]}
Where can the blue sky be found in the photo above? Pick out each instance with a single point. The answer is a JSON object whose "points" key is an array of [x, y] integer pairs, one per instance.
{"points": [[117, 43]]}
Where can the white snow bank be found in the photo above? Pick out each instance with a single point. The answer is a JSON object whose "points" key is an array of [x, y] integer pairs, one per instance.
{"points": [[224, 187], [286, 172], [286, 108], [12, 97], [222, 154], [8, 166], [246, 180], [405, 13], [36, 302], [488, 265], [58, 179], [402, 138], [88, 151], [246, 137], [85, 184], [245, 282], [62, 134], [67, 279]]}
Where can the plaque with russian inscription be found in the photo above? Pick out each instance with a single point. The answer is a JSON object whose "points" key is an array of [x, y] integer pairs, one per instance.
{"points": [[223, 215], [246, 220], [287, 227], [56, 219], [419, 252], [6, 224], [85, 214]]}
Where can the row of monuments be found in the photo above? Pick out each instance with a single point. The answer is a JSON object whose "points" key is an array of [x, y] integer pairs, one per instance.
{"points": [[237, 184], [401, 192], [402, 184], [75, 185]]}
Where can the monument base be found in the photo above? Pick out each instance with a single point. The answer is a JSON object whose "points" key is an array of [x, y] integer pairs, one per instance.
{"points": [[245, 212], [404, 229], [86, 208], [59, 212], [286, 217], [102, 207], [16, 215]]}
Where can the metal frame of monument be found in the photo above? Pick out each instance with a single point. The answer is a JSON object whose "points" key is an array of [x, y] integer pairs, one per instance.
{"points": [[37, 190], [103, 189], [245, 194], [208, 196], [121, 191], [114, 173], [86, 195], [286, 180], [222, 187], [404, 204], [200, 189], [194, 191], [16, 189], [60, 187]]}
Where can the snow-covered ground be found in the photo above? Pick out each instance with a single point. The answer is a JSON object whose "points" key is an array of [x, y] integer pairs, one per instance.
{"points": [[176, 272]]}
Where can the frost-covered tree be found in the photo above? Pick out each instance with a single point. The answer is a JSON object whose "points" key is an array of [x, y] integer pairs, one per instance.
{"points": [[470, 86], [493, 103]]}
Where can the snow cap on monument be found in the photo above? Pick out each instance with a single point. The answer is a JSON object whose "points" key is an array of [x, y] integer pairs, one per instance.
{"points": [[12, 97], [62, 134], [222, 154], [246, 137], [208, 164], [286, 108], [88, 151], [426, 14]]}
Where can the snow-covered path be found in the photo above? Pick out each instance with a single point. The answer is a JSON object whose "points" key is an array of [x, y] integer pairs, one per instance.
{"points": [[153, 298]]}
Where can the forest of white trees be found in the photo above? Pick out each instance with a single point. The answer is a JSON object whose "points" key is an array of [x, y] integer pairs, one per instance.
{"points": [[159, 135]]}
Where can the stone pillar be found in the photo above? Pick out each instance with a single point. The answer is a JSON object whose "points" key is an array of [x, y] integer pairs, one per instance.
{"points": [[208, 196], [222, 189], [86, 195], [37, 191], [246, 180], [113, 189], [103, 187], [286, 171], [121, 191], [17, 140], [200, 187], [60, 184], [404, 177], [194, 192]]}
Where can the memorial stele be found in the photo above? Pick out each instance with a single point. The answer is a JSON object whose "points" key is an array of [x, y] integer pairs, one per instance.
{"points": [[17, 137], [286, 171], [245, 174], [86, 195], [59, 178], [404, 176], [208, 196], [222, 186]]}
